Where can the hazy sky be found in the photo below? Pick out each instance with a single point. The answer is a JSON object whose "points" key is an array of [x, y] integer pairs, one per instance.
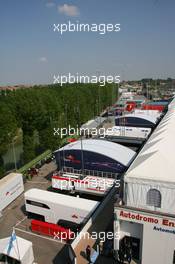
{"points": [[31, 52]]}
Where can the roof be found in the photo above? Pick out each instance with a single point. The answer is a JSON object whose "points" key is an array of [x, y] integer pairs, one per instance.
{"points": [[156, 113], [139, 97], [10, 177], [158, 103], [150, 118], [66, 200], [20, 248], [112, 150], [131, 96], [156, 161]]}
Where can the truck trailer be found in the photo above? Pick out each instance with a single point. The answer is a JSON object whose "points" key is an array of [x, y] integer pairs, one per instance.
{"points": [[11, 186], [53, 207], [129, 132]]}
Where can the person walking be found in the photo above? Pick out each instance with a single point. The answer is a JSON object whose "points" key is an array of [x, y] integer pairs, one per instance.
{"points": [[121, 256], [88, 253], [101, 247], [129, 253]]}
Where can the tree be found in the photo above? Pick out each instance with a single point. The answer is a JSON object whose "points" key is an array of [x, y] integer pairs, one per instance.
{"points": [[8, 128], [41, 108]]}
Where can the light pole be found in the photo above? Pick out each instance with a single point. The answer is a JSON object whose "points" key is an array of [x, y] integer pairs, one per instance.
{"points": [[13, 150], [82, 157], [99, 99], [14, 154]]}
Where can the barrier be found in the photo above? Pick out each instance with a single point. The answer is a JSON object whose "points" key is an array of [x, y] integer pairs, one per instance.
{"points": [[52, 230]]}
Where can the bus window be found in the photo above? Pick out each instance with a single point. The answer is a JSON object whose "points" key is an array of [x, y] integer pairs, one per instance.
{"points": [[37, 204]]}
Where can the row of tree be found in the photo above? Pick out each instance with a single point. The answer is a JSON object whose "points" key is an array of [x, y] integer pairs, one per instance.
{"points": [[40, 109]]}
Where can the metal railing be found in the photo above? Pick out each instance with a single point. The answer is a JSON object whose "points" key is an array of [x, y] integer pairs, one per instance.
{"points": [[86, 172]]}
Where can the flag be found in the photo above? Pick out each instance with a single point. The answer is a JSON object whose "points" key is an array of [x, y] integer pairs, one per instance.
{"points": [[94, 256], [10, 245]]}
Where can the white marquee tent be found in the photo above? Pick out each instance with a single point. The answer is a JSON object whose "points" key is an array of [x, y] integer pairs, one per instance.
{"points": [[21, 249], [112, 150], [154, 168]]}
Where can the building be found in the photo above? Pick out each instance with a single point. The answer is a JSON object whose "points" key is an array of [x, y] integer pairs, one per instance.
{"points": [[130, 96], [146, 220]]}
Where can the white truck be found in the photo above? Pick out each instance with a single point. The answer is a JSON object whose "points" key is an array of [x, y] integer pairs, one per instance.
{"points": [[127, 131], [11, 186], [54, 207]]}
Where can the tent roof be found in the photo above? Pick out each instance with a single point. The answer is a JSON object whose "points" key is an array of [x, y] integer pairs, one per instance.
{"points": [[22, 245], [156, 161], [112, 150]]}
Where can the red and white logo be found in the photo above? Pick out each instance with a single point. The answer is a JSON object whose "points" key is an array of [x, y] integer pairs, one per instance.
{"points": [[75, 216]]}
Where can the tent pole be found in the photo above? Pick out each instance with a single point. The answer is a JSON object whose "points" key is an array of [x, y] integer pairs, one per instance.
{"points": [[17, 244]]}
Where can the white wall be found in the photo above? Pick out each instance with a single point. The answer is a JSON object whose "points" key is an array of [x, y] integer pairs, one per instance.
{"points": [[158, 247], [10, 189], [136, 195]]}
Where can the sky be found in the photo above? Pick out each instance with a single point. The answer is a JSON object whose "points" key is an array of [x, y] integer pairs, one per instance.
{"points": [[32, 53]]}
